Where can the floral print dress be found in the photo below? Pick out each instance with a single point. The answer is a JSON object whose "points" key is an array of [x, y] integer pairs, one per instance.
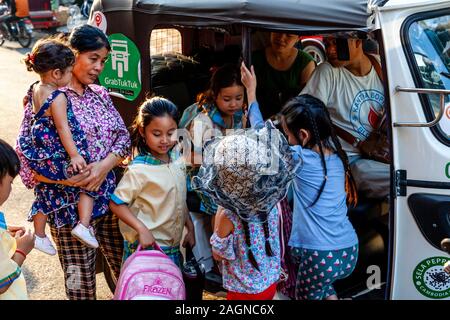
{"points": [[238, 273], [97, 130], [46, 155]]}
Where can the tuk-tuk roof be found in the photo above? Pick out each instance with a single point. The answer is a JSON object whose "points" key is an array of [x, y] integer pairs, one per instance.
{"points": [[402, 4], [295, 15]]}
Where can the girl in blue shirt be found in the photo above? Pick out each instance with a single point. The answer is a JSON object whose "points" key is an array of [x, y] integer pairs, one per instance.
{"points": [[322, 237]]}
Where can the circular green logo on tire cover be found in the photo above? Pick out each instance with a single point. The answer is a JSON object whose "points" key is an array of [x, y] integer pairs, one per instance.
{"points": [[430, 278], [122, 72]]}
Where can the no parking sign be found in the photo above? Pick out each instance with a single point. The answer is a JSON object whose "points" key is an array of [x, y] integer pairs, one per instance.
{"points": [[99, 20]]}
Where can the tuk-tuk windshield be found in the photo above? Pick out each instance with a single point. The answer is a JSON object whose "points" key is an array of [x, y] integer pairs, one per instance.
{"points": [[430, 43]]}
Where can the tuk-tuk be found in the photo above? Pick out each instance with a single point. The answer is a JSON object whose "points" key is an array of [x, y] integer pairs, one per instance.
{"points": [[168, 48]]}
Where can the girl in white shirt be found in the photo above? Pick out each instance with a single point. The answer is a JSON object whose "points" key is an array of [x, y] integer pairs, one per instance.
{"points": [[150, 200]]}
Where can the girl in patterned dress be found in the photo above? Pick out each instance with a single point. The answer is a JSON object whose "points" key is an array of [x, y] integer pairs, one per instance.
{"points": [[56, 148], [322, 237]]}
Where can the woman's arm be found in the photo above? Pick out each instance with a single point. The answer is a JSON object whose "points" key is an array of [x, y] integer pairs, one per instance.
{"points": [[121, 146], [75, 181], [306, 73], [99, 170], [119, 149]]}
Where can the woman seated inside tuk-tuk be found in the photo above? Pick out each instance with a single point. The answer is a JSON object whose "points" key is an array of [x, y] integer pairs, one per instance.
{"points": [[282, 71]]}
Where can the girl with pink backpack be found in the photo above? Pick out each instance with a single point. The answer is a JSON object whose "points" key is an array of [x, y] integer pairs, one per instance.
{"points": [[150, 200]]}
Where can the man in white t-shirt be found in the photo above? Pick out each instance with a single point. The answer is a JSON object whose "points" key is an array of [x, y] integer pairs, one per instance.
{"points": [[354, 96]]}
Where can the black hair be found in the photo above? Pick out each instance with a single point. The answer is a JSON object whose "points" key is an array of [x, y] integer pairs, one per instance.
{"points": [[87, 38], [49, 54], [247, 235], [226, 76], [309, 113], [148, 110], [9, 161]]}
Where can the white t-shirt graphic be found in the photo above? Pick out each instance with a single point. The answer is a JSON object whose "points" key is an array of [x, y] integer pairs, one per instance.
{"points": [[355, 103]]}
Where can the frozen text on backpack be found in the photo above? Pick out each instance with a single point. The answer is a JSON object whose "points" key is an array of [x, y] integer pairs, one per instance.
{"points": [[150, 275]]}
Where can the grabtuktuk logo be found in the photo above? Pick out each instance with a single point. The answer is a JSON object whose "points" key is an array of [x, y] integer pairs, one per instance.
{"points": [[430, 278]]}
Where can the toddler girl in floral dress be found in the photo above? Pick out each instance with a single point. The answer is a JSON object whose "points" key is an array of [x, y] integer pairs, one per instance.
{"points": [[56, 146]]}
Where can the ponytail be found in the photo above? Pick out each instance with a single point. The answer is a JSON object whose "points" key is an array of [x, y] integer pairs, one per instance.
{"points": [[350, 185], [269, 251], [322, 156], [310, 113], [250, 255]]}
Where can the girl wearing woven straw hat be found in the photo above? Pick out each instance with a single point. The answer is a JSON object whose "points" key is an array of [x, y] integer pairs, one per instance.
{"points": [[322, 238], [236, 175]]}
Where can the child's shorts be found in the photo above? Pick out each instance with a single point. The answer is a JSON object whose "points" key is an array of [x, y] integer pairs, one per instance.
{"points": [[267, 294], [320, 269]]}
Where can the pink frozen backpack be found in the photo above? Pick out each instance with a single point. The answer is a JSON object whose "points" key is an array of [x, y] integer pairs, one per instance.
{"points": [[150, 275]]}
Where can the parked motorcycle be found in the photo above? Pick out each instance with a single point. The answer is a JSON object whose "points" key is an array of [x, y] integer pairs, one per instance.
{"points": [[21, 30]]}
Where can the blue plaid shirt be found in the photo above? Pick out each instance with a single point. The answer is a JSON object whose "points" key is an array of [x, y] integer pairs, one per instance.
{"points": [[150, 159]]}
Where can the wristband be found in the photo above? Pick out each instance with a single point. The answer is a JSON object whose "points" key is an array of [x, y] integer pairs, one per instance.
{"points": [[21, 253]]}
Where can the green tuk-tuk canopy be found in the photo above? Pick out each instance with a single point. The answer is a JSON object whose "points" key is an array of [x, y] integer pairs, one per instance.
{"points": [[295, 15]]}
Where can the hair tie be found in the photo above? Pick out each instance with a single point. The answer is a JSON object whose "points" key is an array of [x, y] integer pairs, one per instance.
{"points": [[30, 57]]}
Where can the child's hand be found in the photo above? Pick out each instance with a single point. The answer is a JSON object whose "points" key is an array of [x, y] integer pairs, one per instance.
{"points": [[12, 230], [25, 240], [447, 267], [249, 81], [78, 163], [146, 238], [216, 256], [189, 238]]}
